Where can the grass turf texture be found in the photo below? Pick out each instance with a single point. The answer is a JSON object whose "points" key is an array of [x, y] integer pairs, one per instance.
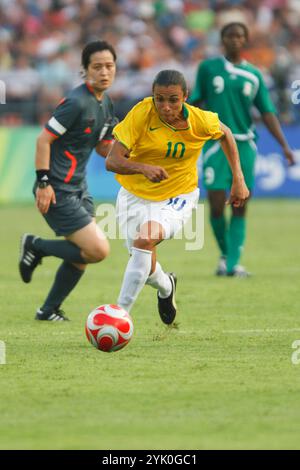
{"points": [[222, 379]]}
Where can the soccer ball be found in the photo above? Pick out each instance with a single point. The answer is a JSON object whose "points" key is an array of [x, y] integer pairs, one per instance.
{"points": [[109, 328]]}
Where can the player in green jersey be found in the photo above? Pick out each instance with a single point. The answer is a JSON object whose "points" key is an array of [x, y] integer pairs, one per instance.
{"points": [[231, 86]]}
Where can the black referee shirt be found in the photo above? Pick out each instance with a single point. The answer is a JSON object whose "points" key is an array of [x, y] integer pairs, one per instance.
{"points": [[80, 121]]}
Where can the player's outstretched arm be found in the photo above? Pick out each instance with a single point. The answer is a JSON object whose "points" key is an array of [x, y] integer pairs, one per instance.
{"points": [[117, 161], [239, 192], [272, 123], [44, 196]]}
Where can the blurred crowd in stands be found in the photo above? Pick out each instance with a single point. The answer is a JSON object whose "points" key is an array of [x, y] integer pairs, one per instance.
{"points": [[41, 43]]}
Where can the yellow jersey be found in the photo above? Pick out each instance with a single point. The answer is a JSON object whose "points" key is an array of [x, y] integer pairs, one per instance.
{"points": [[153, 141]]}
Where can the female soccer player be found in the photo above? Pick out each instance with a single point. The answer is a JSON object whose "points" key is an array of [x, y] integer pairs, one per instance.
{"points": [[81, 122], [155, 155], [230, 86]]}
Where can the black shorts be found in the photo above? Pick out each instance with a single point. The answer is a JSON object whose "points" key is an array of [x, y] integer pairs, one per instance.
{"points": [[72, 211]]}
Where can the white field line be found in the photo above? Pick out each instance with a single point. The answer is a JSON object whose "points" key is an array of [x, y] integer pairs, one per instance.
{"points": [[263, 330], [242, 331]]}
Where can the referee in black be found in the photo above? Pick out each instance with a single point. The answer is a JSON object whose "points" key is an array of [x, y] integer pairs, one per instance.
{"points": [[82, 121]]}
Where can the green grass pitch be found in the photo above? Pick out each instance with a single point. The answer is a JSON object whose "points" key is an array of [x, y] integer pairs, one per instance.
{"points": [[223, 379]]}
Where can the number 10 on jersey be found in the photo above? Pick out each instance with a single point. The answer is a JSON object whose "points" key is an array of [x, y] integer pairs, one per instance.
{"points": [[176, 150]]}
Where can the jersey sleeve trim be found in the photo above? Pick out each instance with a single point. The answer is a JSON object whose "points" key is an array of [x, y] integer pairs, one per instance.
{"points": [[51, 133], [116, 138], [54, 125]]}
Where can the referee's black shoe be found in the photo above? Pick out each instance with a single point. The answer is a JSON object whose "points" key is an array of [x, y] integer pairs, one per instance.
{"points": [[53, 315], [29, 258], [167, 307]]}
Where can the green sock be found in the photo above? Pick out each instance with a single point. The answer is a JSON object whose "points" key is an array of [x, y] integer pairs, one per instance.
{"points": [[219, 227], [236, 238]]}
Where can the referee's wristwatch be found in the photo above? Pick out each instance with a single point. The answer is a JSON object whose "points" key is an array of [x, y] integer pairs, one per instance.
{"points": [[43, 178], [43, 184]]}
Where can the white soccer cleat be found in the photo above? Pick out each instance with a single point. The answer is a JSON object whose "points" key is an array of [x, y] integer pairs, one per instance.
{"points": [[221, 268], [239, 271]]}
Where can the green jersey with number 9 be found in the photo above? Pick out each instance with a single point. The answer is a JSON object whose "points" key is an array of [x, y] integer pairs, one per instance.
{"points": [[231, 90]]}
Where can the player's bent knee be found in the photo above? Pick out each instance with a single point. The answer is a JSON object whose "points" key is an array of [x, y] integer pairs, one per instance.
{"points": [[102, 250], [98, 252], [144, 243], [80, 267]]}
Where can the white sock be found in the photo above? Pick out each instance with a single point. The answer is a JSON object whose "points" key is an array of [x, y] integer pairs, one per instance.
{"points": [[136, 274], [160, 281]]}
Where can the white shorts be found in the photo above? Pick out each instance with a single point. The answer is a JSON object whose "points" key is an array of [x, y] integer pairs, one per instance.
{"points": [[132, 212]]}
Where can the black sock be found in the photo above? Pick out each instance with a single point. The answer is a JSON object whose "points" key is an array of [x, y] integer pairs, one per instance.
{"points": [[63, 249], [66, 278]]}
